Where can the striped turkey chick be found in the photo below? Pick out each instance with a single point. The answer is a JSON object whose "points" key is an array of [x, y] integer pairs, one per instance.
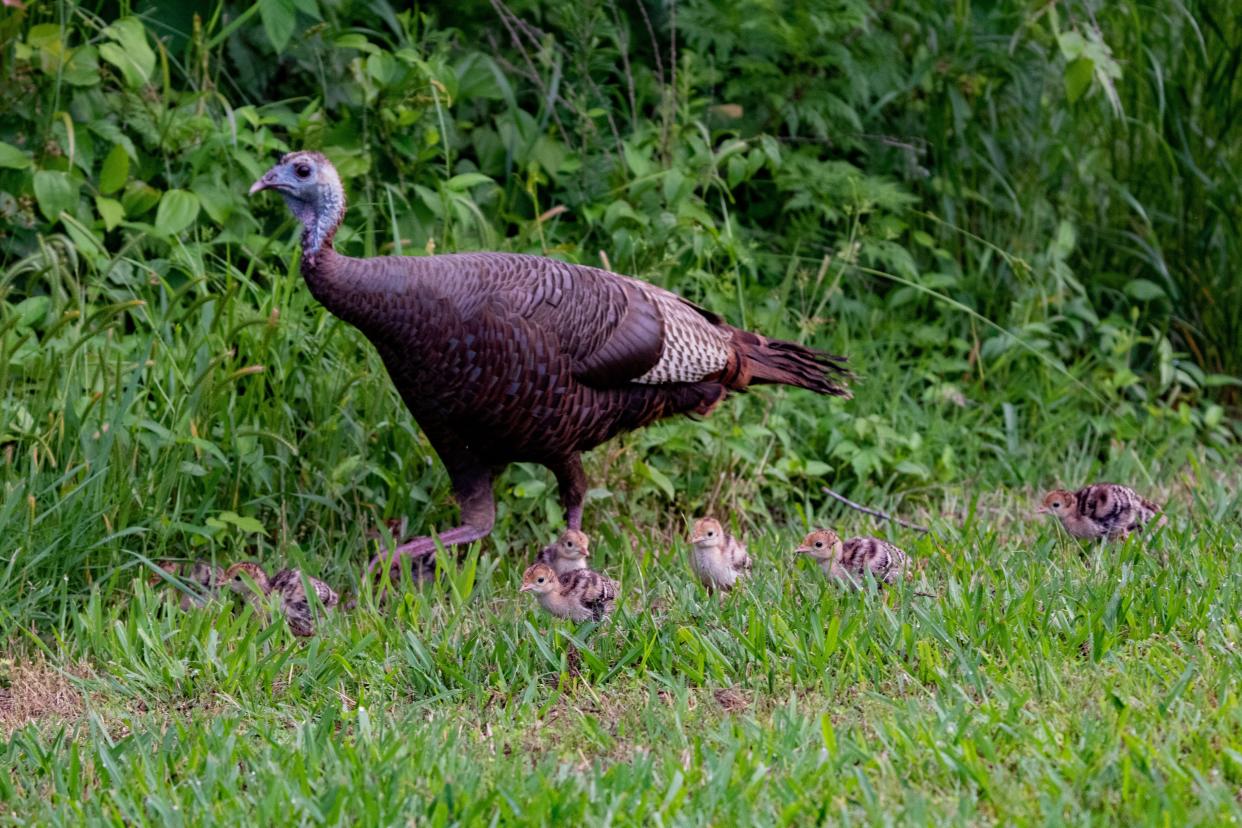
{"points": [[203, 580], [580, 595], [1101, 511], [568, 553], [717, 558], [289, 585], [853, 560]]}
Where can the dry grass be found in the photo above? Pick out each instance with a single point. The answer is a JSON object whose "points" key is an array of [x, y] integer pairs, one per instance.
{"points": [[34, 692]]}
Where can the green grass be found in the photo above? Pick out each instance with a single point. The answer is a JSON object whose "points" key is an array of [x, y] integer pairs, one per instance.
{"points": [[1046, 683]]}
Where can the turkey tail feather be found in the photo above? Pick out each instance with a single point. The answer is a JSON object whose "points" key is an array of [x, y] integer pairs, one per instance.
{"points": [[777, 362]]}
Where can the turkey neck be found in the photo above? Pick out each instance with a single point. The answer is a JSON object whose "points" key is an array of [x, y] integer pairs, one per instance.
{"points": [[362, 292]]}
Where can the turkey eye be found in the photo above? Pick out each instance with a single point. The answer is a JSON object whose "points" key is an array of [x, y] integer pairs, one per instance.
{"points": [[819, 544], [302, 170], [541, 580], [711, 534], [570, 544], [1056, 504]]}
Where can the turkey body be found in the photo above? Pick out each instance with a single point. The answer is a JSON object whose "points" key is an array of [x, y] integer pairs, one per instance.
{"points": [[509, 357]]}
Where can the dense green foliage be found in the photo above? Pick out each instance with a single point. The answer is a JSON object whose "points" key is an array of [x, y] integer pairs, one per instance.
{"points": [[1020, 222]]}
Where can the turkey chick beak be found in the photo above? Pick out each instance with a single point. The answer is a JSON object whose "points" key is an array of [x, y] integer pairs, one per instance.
{"points": [[697, 540], [526, 587], [803, 550], [1043, 510]]}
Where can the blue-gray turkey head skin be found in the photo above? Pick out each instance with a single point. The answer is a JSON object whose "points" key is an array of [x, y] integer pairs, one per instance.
{"points": [[503, 357]]}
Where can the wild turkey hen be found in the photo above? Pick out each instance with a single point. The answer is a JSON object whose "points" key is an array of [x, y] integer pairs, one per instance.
{"points": [[503, 357]]}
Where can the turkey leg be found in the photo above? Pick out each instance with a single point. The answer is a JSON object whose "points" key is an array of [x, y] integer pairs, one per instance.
{"points": [[573, 485], [472, 488]]}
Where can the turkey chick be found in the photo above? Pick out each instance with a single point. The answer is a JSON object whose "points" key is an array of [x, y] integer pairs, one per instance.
{"points": [[1101, 511], [852, 560], [203, 579], [717, 558], [568, 553], [288, 584], [580, 595]]}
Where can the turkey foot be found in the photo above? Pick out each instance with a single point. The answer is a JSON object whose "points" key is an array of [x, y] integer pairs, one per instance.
{"points": [[422, 551], [472, 486]]}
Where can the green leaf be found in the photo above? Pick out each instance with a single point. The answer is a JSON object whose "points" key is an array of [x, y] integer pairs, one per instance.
{"points": [[353, 40], [138, 198], [55, 191], [115, 170], [530, 488], [381, 67], [279, 21], [1144, 290], [817, 468], [129, 51], [466, 180], [246, 524], [82, 68], [216, 201], [12, 158], [1072, 44], [657, 477], [32, 311], [1078, 78], [110, 210], [178, 209]]}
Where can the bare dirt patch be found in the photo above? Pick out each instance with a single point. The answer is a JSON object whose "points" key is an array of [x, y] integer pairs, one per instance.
{"points": [[31, 690]]}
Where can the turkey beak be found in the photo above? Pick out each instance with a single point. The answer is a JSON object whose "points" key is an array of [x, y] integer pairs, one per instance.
{"points": [[698, 539], [526, 587], [803, 550], [265, 183], [1043, 510]]}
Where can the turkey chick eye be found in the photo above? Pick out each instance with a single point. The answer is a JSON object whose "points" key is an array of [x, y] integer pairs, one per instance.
{"points": [[711, 534], [302, 171], [819, 544]]}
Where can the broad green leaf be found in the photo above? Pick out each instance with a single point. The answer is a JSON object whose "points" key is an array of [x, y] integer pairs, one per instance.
{"points": [[658, 477], [466, 180], [381, 67], [129, 51], [138, 198], [310, 8], [216, 201], [55, 191], [82, 68], [12, 158], [115, 170], [817, 468], [178, 209], [636, 159], [32, 311], [279, 21], [353, 40], [1144, 290], [44, 36], [530, 488], [246, 524], [1078, 78], [110, 210], [1072, 44]]}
